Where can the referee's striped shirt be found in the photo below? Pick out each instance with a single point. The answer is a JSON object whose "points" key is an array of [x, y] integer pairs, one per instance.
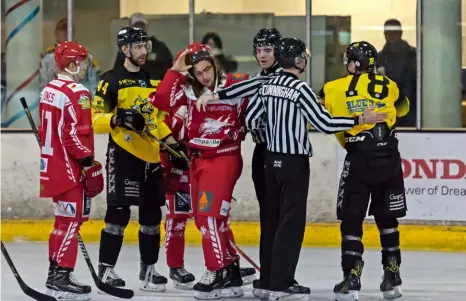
{"points": [[286, 105], [249, 88]]}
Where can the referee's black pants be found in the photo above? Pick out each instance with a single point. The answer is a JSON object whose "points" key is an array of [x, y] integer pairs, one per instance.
{"points": [[287, 182], [258, 178]]}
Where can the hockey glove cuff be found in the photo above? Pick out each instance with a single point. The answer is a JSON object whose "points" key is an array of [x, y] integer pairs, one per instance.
{"points": [[130, 119], [94, 180], [179, 162]]}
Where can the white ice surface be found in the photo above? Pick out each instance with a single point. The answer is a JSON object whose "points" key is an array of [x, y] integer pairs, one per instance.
{"points": [[426, 275]]}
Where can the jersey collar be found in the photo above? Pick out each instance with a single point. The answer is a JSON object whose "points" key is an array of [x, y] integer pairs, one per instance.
{"points": [[65, 77]]}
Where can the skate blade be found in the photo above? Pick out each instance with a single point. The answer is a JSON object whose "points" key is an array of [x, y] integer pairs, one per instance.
{"points": [[213, 295], [151, 287], [183, 286], [60, 295], [275, 296], [395, 293], [232, 292], [350, 296], [247, 280]]}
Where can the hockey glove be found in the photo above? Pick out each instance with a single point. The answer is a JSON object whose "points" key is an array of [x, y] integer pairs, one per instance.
{"points": [[130, 119], [179, 162], [94, 180]]}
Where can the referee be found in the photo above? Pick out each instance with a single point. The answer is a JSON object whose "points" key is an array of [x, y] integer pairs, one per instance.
{"points": [[286, 105]]}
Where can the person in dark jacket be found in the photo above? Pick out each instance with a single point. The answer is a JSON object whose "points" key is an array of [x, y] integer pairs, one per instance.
{"points": [[397, 60], [159, 60], [227, 63]]}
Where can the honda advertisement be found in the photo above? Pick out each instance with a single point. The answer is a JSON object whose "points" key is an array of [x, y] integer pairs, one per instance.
{"points": [[434, 170]]}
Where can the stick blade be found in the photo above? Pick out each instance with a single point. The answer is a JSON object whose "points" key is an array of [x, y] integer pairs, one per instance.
{"points": [[122, 293]]}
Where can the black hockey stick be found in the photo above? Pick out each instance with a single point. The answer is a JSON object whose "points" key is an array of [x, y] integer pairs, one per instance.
{"points": [[24, 287], [104, 287]]}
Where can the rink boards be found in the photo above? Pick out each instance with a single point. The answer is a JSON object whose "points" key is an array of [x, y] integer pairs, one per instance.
{"points": [[435, 177]]}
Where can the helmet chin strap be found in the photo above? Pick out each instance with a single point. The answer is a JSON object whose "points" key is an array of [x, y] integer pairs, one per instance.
{"points": [[301, 70], [74, 75]]}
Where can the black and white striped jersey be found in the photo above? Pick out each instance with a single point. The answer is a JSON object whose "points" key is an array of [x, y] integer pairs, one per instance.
{"points": [[287, 105], [248, 88]]}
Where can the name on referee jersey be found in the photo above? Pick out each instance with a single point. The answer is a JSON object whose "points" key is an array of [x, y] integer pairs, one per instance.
{"points": [[279, 91]]}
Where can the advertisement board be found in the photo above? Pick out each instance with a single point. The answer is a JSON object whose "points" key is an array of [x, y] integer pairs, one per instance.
{"points": [[434, 170]]}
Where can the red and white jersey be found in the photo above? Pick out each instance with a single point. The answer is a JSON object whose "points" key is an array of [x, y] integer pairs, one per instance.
{"points": [[65, 133], [217, 131]]}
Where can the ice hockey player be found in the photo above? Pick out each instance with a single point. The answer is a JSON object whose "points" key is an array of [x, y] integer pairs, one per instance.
{"points": [[214, 138], [69, 173], [134, 174], [372, 168], [178, 204], [263, 50]]}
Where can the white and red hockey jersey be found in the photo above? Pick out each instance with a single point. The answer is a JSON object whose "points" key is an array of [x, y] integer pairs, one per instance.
{"points": [[66, 134], [217, 131]]}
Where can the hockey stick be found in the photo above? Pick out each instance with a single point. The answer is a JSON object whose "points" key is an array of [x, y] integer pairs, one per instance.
{"points": [[106, 288], [24, 287]]}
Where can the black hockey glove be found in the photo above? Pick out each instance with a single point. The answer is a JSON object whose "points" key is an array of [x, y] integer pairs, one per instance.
{"points": [[179, 162], [130, 119]]}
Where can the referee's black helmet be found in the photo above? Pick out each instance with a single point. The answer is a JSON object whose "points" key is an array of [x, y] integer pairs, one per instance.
{"points": [[266, 37], [363, 54], [291, 51]]}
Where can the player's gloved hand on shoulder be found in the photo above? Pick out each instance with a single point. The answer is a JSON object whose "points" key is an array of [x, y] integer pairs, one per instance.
{"points": [[130, 119], [94, 179], [179, 162]]}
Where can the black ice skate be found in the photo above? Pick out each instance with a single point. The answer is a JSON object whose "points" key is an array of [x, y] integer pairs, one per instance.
{"points": [[151, 281], [294, 292], [348, 289], [391, 281], [65, 286], [248, 275], [210, 285], [182, 279], [258, 292], [108, 275], [51, 274], [233, 282]]}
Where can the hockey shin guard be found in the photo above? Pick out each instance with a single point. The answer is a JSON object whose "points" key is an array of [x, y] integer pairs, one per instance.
{"points": [[174, 241], [149, 234], [65, 243], [230, 237], [389, 239], [352, 248], [215, 243]]}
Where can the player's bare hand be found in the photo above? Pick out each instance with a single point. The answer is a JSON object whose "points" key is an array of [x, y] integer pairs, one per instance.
{"points": [[371, 117], [180, 63], [204, 100]]}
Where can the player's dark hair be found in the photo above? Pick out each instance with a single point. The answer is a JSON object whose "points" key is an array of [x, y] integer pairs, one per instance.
{"points": [[197, 85]]}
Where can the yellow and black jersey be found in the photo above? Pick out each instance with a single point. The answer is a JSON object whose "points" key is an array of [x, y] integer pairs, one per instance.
{"points": [[351, 95], [119, 88]]}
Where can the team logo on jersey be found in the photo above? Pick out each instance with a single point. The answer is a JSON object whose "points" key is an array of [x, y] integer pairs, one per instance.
{"points": [[65, 209], [84, 102], [142, 83], [359, 105], [206, 199], [143, 106], [98, 104]]}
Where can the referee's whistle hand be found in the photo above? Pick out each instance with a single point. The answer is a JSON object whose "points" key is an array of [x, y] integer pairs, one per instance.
{"points": [[371, 117]]}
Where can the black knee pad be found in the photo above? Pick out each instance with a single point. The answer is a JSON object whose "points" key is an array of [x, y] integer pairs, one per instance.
{"points": [[118, 215], [150, 216]]}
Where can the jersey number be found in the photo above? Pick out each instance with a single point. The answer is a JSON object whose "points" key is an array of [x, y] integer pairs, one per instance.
{"points": [[102, 88], [46, 123], [374, 81]]}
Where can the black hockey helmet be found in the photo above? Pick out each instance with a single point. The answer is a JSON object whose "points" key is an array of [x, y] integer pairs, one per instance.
{"points": [[266, 37], [131, 35], [289, 50], [363, 54]]}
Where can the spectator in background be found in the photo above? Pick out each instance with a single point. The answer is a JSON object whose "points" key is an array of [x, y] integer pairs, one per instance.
{"points": [[159, 60], [227, 63], [397, 60], [47, 64]]}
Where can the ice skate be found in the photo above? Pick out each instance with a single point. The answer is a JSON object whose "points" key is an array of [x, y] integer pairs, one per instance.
{"points": [[391, 281], [248, 275], [182, 279], [295, 292], [151, 281], [258, 292], [348, 289], [210, 285], [234, 282], [108, 275], [64, 286], [51, 274]]}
